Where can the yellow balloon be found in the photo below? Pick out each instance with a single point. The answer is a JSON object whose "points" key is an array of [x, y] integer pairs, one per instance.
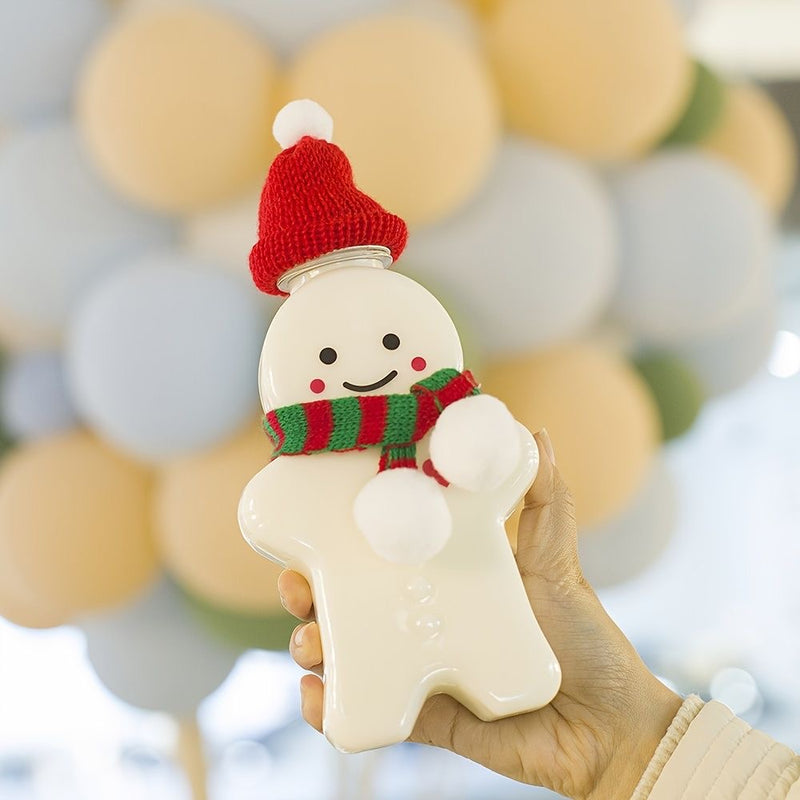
{"points": [[19, 606], [176, 108], [483, 8], [603, 79], [75, 524], [413, 108], [196, 525], [600, 416], [754, 137]]}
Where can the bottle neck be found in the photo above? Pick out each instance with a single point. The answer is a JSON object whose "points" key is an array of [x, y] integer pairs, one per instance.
{"points": [[372, 256]]}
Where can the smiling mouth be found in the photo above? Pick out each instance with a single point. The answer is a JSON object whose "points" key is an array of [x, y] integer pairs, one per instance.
{"points": [[354, 387]]}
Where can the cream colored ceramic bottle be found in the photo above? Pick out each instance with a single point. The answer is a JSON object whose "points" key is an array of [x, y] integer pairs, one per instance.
{"points": [[415, 586]]}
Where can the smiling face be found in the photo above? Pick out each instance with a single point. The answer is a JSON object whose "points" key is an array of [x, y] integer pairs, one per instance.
{"points": [[355, 331]]}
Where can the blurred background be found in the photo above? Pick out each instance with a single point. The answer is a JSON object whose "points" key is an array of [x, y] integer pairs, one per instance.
{"points": [[602, 192]]}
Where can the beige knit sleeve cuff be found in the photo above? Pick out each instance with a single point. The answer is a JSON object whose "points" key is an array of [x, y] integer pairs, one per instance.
{"points": [[688, 711], [710, 754]]}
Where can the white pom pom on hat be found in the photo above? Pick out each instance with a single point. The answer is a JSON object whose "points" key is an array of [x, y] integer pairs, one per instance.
{"points": [[302, 118]]}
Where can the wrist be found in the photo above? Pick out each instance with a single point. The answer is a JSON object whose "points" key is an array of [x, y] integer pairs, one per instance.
{"points": [[638, 736]]}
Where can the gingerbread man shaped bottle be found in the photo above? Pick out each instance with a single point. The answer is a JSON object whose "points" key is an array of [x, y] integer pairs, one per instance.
{"points": [[392, 473]]}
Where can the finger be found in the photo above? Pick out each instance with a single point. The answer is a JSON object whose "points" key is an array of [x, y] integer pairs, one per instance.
{"points": [[311, 700], [547, 545], [306, 647], [296, 595]]}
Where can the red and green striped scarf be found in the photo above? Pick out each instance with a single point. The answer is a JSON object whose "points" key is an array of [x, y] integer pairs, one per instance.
{"points": [[393, 422]]}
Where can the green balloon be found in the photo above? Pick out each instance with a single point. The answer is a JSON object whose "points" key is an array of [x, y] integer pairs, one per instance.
{"points": [[703, 111], [6, 442], [248, 631], [678, 391]]}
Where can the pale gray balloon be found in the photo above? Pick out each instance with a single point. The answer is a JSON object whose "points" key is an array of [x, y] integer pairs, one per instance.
{"points": [[153, 654], [696, 246], [532, 260], [162, 356], [34, 399], [42, 45], [732, 356], [61, 228], [626, 546]]}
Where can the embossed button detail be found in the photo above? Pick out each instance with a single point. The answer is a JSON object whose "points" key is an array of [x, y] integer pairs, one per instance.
{"points": [[420, 590], [428, 626]]}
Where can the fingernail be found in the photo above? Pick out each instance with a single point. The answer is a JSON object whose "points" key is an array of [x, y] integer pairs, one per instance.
{"points": [[299, 636], [544, 437], [283, 600]]}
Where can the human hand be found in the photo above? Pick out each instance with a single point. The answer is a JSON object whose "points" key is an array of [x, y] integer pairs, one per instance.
{"points": [[594, 740]]}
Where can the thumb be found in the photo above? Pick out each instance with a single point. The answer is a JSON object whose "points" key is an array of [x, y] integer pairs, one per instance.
{"points": [[547, 544]]}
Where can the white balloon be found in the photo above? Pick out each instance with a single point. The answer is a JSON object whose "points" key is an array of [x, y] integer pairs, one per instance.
{"points": [[532, 260], [696, 246], [153, 653], [626, 546], [687, 8], [730, 357], [34, 400], [226, 235], [162, 357], [60, 228], [42, 44]]}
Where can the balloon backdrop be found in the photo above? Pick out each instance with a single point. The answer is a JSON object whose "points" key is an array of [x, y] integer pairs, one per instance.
{"points": [[696, 246], [162, 356], [245, 631], [677, 388], [176, 108], [600, 416], [34, 400], [288, 25], [60, 227], [605, 80], [703, 111], [196, 522], [19, 608], [623, 548], [226, 235], [413, 107], [731, 356], [513, 262], [42, 43], [154, 655], [754, 137], [74, 523]]}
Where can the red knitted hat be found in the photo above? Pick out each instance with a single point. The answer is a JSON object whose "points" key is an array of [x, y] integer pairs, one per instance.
{"points": [[310, 205]]}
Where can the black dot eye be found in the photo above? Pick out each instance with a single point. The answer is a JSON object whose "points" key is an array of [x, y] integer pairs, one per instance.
{"points": [[391, 341], [327, 355]]}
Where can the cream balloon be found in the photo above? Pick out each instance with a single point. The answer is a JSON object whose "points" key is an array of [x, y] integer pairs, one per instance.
{"points": [[197, 529], [74, 523], [600, 416], [415, 111], [176, 106], [605, 80], [532, 260], [696, 246], [754, 136]]}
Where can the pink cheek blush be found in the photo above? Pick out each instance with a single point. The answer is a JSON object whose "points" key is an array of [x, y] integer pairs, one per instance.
{"points": [[317, 386], [419, 364]]}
